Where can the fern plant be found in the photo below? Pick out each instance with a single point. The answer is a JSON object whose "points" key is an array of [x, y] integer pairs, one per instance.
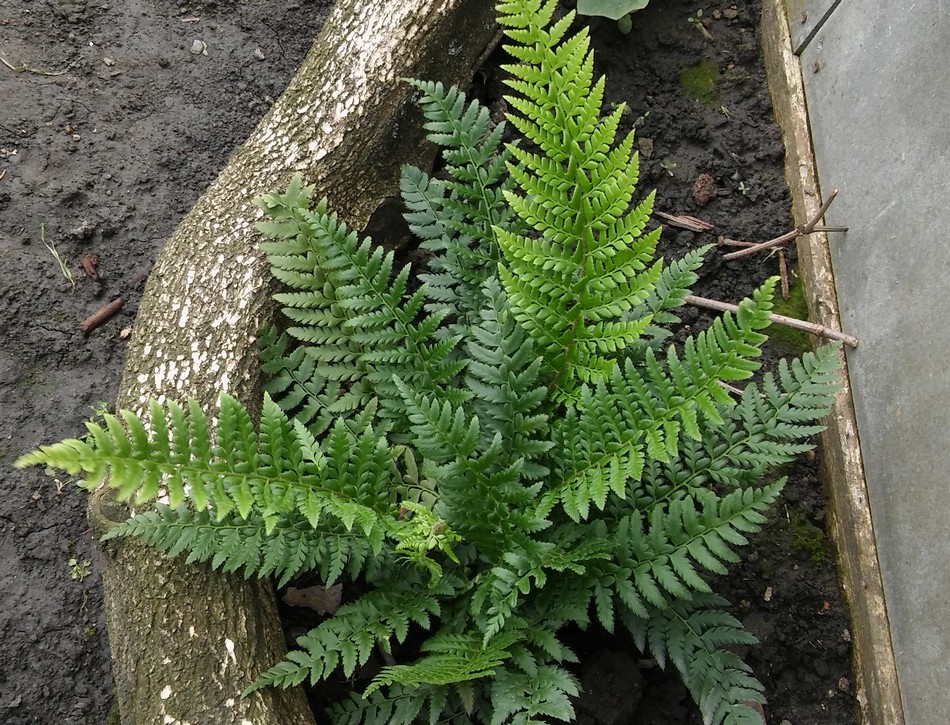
{"points": [[511, 448]]}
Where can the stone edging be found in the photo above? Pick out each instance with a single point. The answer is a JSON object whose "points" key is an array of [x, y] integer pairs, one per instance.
{"points": [[842, 469]]}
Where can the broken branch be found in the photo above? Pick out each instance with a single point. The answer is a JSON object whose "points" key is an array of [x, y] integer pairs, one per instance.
{"points": [[798, 231], [805, 326]]}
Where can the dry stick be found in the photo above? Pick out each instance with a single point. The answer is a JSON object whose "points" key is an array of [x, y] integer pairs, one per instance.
{"points": [[789, 236], [810, 327], [727, 242], [686, 222], [783, 274], [100, 316]]}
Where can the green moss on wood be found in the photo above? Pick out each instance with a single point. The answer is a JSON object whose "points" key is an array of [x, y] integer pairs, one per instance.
{"points": [[787, 339]]}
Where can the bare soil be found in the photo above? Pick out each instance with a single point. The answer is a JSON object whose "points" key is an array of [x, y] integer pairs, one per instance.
{"points": [[107, 157]]}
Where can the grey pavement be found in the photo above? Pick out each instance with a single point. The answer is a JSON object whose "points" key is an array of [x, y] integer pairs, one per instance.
{"points": [[877, 81]]}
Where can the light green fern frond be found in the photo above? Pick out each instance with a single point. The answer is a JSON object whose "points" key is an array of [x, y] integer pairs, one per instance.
{"points": [[588, 262], [279, 471], [451, 660]]}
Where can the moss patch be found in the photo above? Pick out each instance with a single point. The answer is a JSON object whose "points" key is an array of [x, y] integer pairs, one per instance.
{"points": [[701, 82], [809, 540], [789, 340]]}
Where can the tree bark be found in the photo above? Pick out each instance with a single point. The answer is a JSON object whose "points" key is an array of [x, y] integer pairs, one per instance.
{"points": [[186, 640]]}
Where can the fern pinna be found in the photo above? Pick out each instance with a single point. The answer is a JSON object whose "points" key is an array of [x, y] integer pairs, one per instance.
{"points": [[509, 449]]}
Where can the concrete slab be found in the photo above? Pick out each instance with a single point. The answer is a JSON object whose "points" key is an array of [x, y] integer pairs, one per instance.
{"points": [[805, 17], [880, 116]]}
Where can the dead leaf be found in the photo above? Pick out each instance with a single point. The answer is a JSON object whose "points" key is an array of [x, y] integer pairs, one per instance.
{"points": [[321, 599]]}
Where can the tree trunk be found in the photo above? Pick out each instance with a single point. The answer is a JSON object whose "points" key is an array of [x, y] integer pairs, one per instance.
{"points": [[185, 640]]}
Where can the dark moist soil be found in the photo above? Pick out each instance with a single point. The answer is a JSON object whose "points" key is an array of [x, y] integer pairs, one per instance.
{"points": [[107, 157]]}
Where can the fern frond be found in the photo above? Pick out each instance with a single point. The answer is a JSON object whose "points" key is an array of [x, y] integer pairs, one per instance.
{"points": [[643, 414], [457, 659], [655, 556], [694, 636], [589, 261], [470, 478], [288, 549], [280, 471], [768, 427], [507, 395], [356, 316], [346, 640], [533, 698], [454, 217], [525, 569], [296, 384], [676, 281]]}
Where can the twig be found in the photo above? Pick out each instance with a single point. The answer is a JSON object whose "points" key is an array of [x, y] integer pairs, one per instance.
{"points": [[100, 316], [811, 327], [730, 388], [686, 222], [794, 234], [726, 242], [2, 174], [37, 71], [783, 274]]}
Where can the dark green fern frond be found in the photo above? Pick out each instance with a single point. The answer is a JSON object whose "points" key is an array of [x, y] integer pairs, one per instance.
{"points": [[694, 636], [642, 413], [232, 544], [296, 384], [470, 478], [525, 569], [655, 555], [534, 698], [676, 281], [454, 216], [356, 317], [507, 396], [346, 640], [769, 427]]}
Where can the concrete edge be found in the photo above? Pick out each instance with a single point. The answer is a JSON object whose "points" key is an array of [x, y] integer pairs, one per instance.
{"points": [[852, 531]]}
